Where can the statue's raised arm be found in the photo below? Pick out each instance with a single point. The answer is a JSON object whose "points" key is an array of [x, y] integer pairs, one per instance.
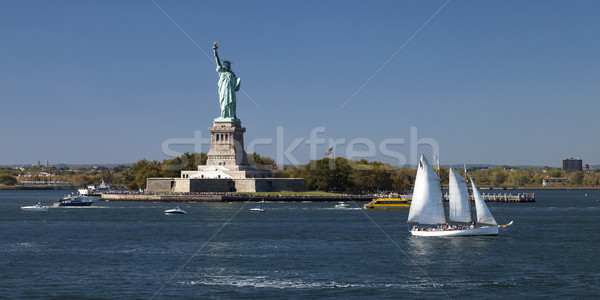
{"points": [[215, 47]]}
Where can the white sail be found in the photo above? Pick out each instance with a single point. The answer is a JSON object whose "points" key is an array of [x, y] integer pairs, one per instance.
{"points": [[426, 206], [484, 215], [460, 211]]}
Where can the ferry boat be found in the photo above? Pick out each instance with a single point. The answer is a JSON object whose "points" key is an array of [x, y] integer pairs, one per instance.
{"points": [[93, 190], [74, 200], [393, 201]]}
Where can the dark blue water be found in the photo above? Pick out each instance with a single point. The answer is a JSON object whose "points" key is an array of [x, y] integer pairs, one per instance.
{"points": [[293, 250]]}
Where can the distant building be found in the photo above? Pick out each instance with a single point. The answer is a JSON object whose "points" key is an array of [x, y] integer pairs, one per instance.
{"points": [[572, 164], [554, 181], [47, 164]]}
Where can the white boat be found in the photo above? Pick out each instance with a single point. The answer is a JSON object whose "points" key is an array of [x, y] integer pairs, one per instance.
{"points": [[257, 209], [428, 209], [342, 205], [37, 207], [175, 211], [74, 200]]}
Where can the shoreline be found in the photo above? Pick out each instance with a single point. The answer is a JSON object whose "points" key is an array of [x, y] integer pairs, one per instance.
{"points": [[29, 188], [535, 188], [482, 188], [229, 198]]}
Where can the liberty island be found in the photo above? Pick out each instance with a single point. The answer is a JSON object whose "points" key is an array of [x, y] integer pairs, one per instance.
{"points": [[227, 168]]}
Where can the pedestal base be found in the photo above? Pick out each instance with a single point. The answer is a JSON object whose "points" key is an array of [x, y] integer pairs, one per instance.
{"points": [[227, 145]]}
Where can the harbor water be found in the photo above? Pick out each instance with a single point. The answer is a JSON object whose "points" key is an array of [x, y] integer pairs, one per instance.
{"points": [[131, 250]]}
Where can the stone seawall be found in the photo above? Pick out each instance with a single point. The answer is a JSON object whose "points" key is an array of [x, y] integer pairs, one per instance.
{"points": [[228, 198], [162, 198]]}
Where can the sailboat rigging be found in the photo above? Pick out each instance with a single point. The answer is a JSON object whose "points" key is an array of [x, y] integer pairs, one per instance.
{"points": [[428, 210]]}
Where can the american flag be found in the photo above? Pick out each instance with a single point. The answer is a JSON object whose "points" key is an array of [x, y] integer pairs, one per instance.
{"points": [[329, 151]]}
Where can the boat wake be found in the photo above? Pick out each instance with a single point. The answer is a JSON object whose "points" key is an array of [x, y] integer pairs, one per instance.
{"points": [[78, 207], [262, 281], [345, 208]]}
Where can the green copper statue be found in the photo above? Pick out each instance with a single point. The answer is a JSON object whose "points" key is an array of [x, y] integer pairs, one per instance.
{"points": [[228, 85]]}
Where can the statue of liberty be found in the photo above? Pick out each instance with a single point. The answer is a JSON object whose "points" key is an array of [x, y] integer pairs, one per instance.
{"points": [[228, 85]]}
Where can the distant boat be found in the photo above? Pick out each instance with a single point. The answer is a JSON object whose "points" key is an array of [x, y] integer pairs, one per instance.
{"points": [[393, 201], [95, 190], [428, 207], [37, 207], [342, 204], [175, 211], [257, 209], [74, 200]]}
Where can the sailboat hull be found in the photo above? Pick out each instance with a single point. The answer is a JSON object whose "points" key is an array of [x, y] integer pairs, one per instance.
{"points": [[485, 230]]}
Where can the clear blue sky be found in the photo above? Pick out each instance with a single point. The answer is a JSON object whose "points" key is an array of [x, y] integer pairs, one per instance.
{"points": [[501, 82]]}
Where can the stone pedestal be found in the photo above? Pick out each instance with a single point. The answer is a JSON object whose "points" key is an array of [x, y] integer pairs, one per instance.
{"points": [[227, 145], [226, 157], [226, 168]]}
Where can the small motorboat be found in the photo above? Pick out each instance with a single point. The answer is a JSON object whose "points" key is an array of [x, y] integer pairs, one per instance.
{"points": [[175, 211], [74, 200], [37, 207], [342, 205], [257, 209]]}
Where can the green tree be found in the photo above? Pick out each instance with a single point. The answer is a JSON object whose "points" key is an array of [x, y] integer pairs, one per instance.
{"points": [[480, 176], [140, 171], [148, 171], [498, 177], [443, 174], [261, 163], [173, 167], [186, 161], [119, 169], [7, 179], [517, 178], [402, 180], [538, 178], [81, 180], [592, 179], [554, 173], [328, 175], [371, 177], [341, 176], [575, 178]]}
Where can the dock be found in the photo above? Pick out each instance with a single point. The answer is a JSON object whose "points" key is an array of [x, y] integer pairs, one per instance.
{"points": [[495, 197], [506, 197]]}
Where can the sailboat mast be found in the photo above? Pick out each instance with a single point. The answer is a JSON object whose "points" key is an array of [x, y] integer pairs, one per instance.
{"points": [[441, 189], [469, 196]]}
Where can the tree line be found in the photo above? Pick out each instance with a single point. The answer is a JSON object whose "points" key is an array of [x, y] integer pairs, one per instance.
{"points": [[328, 174], [341, 174]]}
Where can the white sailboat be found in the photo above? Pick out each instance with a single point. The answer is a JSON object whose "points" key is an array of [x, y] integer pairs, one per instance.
{"points": [[428, 210]]}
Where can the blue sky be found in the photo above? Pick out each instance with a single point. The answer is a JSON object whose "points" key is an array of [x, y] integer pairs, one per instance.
{"points": [[500, 82]]}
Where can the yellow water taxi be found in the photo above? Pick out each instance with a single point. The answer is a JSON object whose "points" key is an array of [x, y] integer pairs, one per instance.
{"points": [[393, 201]]}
